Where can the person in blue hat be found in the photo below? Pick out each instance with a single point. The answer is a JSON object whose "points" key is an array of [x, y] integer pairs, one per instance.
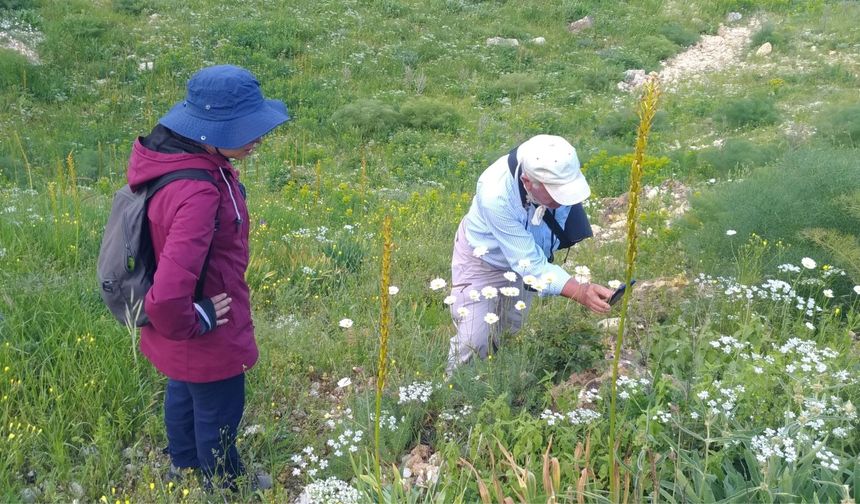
{"points": [[200, 333]]}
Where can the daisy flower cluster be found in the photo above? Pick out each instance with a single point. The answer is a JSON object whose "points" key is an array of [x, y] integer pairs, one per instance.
{"points": [[417, 392], [332, 491]]}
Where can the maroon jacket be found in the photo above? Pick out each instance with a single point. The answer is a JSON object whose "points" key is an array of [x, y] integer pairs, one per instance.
{"points": [[182, 218]]}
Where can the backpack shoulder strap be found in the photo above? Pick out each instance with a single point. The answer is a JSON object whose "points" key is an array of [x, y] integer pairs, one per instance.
{"points": [[187, 174], [184, 174]]}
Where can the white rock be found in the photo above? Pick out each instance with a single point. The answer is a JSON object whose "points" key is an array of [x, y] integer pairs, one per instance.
{"points": [[765, 49], [732, 17], [581, 24], [538, 41], [609, 323], [500, 41]]}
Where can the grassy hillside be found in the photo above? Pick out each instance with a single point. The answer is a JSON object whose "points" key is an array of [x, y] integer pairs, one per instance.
{"points": [[740, 365]]}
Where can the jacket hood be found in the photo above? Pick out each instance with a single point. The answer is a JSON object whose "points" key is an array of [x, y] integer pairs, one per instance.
{"points": [[145, 164]]}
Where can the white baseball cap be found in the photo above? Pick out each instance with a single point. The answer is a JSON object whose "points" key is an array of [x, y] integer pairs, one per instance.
{"points": [[552, 161]]}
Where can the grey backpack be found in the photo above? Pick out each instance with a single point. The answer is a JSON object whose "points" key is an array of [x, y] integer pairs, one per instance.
{"points": [[126, 263]]}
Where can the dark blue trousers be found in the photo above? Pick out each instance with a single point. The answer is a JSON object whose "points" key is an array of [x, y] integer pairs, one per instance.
{"points": [[201, 421]]}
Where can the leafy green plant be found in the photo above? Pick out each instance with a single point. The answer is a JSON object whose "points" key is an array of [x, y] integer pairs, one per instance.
{"points": [[840, 125], [370, 118], [425, 113], [776, 202], [733, 155], [748, 112], [769, 32]]}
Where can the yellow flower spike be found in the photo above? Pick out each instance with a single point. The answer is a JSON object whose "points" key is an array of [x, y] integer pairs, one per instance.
{"points": [[6, 369], [151, 486], [11, 436], [185, 492], [113, 490], [450, 385], [837, 311], [103, 499]]}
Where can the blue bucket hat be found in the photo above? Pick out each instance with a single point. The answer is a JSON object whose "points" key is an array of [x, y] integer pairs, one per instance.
{"points": [[225, 108]]}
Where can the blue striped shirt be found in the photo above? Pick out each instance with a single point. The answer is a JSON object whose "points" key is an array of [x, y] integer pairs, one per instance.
{"points": [[497, 220]]}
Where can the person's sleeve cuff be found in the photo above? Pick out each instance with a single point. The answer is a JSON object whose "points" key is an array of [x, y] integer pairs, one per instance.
{"points": [[205, 314]]}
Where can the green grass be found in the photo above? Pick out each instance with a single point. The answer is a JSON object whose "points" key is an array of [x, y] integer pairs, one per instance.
{"points": [[398, 106]]}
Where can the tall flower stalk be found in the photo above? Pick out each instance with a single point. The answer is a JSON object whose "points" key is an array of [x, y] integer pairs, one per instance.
{"points": [[384, 320], [646, 109]]}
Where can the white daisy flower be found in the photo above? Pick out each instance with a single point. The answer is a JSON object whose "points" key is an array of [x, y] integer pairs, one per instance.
{"points": [[491, 318], [437, 283], [346, 323]]}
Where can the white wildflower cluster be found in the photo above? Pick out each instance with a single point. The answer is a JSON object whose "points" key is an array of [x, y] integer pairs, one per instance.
{"points": [[285, 321], [347, 440], [788, 268], [387, 420], [589, 395], [332, 491], [771, 290], [456, 415], [320, 234], [816, 412], [661, 416], [307, 270], [629, 387], [2, 253], [308, 462], [580, 416], [728, 343], [773, 443], [724, 401], [416, 392], [807, 355], [828, 459], [337, 417], [828, 272]]}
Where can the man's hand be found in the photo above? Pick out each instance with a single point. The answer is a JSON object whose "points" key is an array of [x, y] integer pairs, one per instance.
{"points": [[592, 296]]}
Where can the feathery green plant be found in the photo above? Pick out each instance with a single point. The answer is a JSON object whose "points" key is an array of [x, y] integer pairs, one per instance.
{"points": [[646, 110]]}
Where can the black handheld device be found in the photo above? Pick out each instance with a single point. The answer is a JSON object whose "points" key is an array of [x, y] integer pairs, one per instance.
{"points": [[619, 293]]}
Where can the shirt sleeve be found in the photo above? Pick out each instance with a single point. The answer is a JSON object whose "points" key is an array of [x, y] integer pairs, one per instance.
{"points": [[169, 303], [518, 245]]}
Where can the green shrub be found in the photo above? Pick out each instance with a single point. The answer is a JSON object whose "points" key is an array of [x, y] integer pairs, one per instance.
{"points": [[679, 34], [17, 4], [776, 202], [734, 154], [768, 33], [622, 124], [602, 78], [370, 118], [131, 7], [424, 113], [512, 85], [752, 111], [655, 48], [13, 68], [609, 175], [841, 126]]}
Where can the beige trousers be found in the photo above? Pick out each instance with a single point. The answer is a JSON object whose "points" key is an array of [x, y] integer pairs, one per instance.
{"points": [[474, 335]]}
